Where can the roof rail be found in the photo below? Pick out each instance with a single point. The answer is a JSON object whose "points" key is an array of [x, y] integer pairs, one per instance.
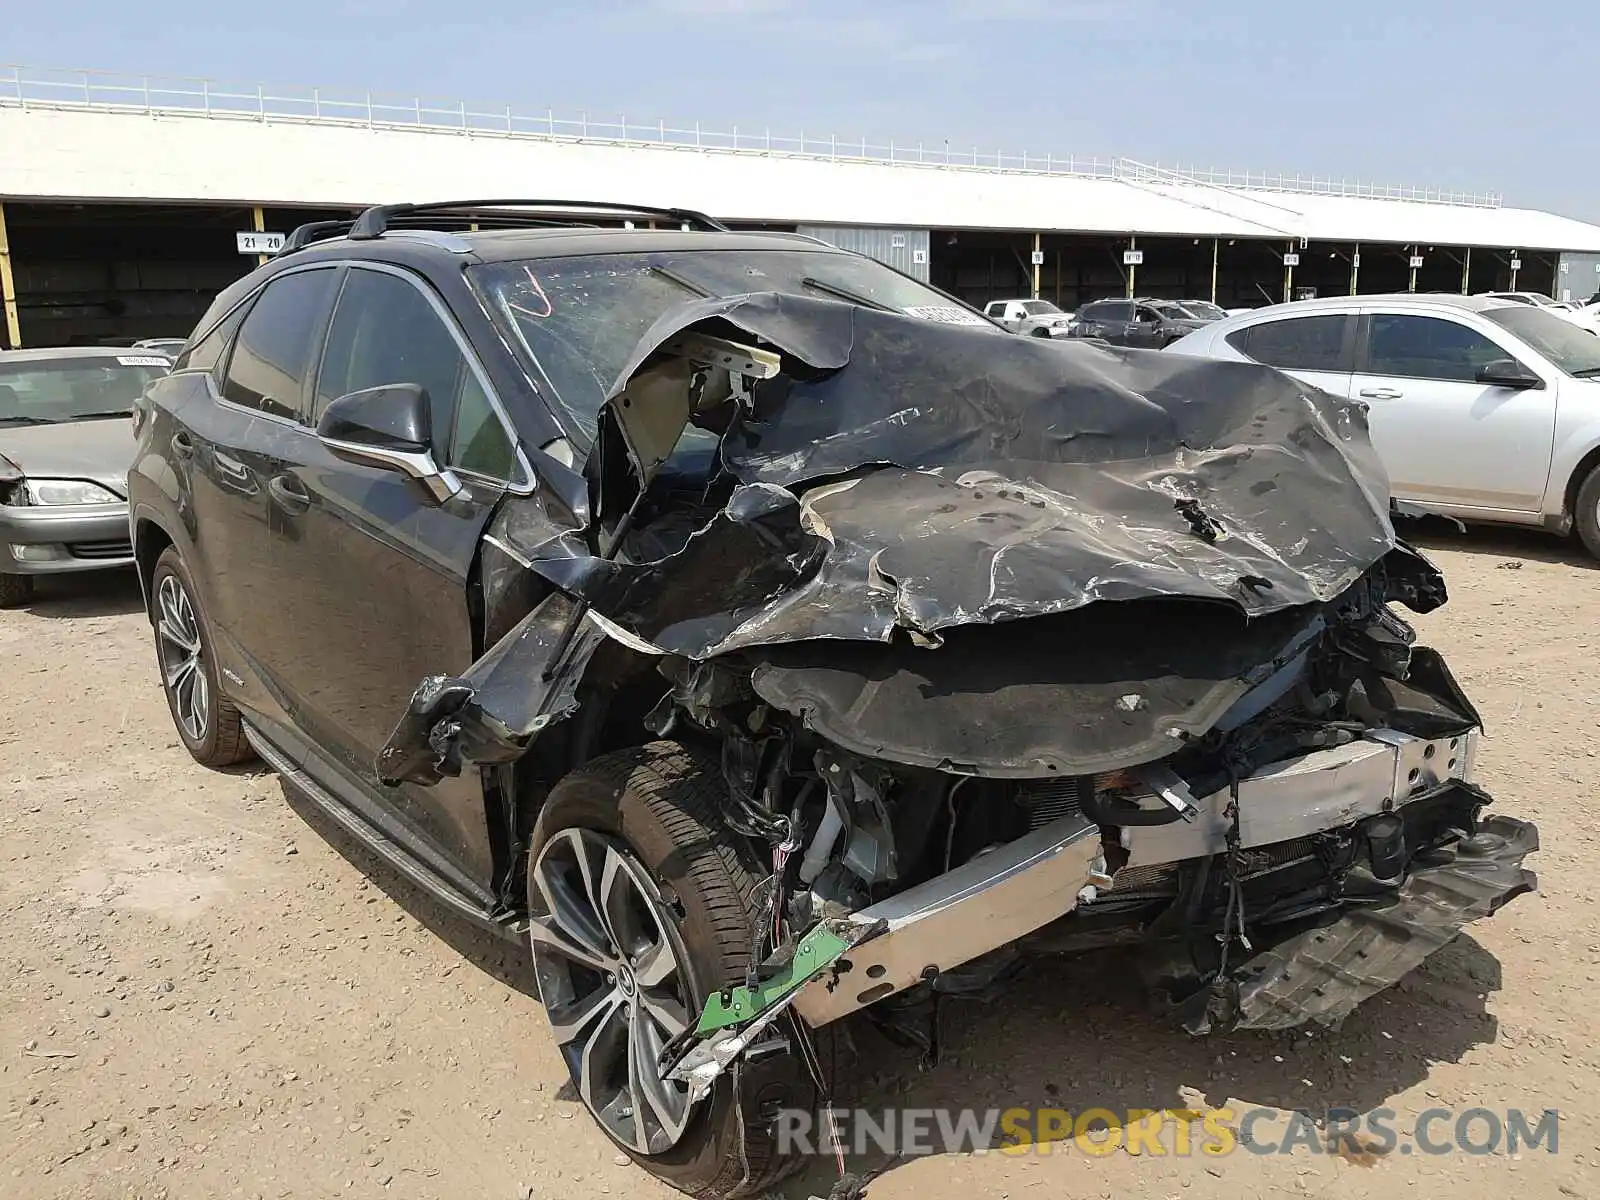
{"points": [[302, 236], [375, 221]]}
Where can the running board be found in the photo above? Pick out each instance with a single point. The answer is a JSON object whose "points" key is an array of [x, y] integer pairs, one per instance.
{"points": [[510, 926]]}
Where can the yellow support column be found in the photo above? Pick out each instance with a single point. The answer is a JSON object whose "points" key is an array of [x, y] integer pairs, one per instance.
{"points": [[8, 287], [259, 220], [1355, 268], [1216, 243], [1038, 257], [1133, 268]]}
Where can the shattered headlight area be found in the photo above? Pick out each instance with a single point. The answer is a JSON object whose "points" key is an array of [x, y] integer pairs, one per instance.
{"points": [[1005, 648]]}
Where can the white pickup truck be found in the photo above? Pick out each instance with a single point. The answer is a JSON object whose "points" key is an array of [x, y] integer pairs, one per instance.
{"points": [[1033, 318]]}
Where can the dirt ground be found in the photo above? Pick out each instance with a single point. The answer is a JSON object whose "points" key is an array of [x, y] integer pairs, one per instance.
{"points": [[208, 993]]}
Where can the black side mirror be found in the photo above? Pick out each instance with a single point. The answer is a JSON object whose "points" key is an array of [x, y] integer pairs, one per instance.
{"points": [[1507, 373], [391, 428]]}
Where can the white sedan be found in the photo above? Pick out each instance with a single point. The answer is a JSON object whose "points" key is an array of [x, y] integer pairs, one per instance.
{"points": [[1481, 408]]}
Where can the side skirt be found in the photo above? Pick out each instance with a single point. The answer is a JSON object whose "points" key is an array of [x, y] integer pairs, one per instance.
{"points": [[513, 927]]}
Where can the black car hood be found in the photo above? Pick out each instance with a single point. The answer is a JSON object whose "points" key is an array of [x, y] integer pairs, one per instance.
{"points": [[907, 475], [935, 544]]}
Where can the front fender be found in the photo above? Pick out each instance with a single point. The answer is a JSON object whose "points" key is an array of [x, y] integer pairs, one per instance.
{"points": [[1572, 447]]}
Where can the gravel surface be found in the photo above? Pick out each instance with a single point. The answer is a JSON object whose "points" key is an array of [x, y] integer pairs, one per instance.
{"points": [[208, 992]]}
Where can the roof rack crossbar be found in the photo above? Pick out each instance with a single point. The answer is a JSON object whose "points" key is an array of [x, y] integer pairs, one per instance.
{"points": [[374, 221]]}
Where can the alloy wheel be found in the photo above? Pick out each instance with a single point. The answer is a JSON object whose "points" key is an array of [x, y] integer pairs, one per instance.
{"points": [[613, 978], [182, 655]]}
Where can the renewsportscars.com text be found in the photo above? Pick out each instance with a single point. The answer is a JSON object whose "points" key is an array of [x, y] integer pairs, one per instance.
{"points": [[1210, 1133]]}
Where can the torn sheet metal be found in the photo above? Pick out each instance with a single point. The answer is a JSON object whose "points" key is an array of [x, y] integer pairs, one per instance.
{"points": [[492, 713], [921, 476]]}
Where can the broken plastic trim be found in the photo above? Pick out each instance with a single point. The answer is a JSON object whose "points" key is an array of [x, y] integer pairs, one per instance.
{"points": [[815, 953], [1325, 973]]}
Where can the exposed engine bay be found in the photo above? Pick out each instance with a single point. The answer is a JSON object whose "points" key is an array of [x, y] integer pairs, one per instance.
{"points": [[1003, 651]]}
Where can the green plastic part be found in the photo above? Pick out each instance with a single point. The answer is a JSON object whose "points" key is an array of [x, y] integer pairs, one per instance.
{"points": [[817, 951]]}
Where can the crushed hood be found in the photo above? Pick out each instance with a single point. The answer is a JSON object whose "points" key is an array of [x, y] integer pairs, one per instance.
{"points": [[900, 474]]}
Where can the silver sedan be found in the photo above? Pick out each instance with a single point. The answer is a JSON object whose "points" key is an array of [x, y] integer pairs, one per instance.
{"points": [[66, 442]]}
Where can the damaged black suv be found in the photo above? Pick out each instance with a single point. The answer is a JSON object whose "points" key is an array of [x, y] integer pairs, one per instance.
{"points": [[769, 638]]}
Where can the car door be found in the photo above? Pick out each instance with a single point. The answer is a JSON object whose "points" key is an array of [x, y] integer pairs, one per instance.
{"points": [[1317, 349], [1447, 440], [231, 439], [1108, 320], [1147, 330], [374, 574]]}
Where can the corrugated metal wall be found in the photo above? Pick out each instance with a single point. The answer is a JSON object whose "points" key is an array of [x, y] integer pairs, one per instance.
{"points": [[903, 249], [1578, 277]]}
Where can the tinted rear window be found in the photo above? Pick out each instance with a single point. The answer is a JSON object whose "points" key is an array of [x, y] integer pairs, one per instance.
{"points": [[1295, 343], [1114, 310]]}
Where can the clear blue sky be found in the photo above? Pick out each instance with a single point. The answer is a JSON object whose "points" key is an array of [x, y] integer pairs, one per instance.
{"points": [[1474, 94]]}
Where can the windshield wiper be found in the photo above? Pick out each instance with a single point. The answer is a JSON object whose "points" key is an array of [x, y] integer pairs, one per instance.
{"points": [[91, 416], [845, 294], [19, 420], [1585, 373], [687, 285]]}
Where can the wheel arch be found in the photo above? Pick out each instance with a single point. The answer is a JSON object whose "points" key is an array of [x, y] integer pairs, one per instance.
{"points": [[150, 538], [1587, 464]]}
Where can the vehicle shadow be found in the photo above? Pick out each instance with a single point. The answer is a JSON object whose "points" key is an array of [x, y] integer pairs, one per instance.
{"points": [[96, 594], [506, 961], [1493, 541], [1081, 1034]]}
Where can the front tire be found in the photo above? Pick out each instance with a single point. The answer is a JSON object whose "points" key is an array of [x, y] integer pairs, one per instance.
{"points": [[1587, 516], [206, 721], [641, 907], [15, 590]]}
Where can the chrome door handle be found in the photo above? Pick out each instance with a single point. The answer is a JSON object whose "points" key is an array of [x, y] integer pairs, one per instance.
{"points": [[1383, 393]]}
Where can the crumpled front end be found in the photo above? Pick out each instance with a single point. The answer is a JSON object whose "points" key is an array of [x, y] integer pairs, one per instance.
{"points": [[1006, 648]]}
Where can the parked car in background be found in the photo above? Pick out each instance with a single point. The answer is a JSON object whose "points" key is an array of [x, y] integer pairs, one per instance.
{"points": [[1032, 318], [65, 448], [1146, 324], [1204, 310], [1483, 408], [1537, 299]]}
